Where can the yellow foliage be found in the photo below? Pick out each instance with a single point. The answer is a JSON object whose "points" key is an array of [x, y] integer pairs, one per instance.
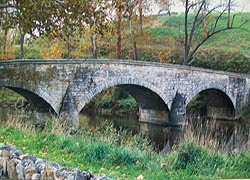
{"points": [[8, 54], [55, 51], [166, 56]]}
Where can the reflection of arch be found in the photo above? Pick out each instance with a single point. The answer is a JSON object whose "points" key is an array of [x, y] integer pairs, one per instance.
{"points": [[121, 81], [25, 90], [218, 87]]}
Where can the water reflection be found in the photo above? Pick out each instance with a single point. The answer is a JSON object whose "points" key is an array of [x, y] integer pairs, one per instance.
{"points": [[227, 134], [160, 136], [128, 122]]}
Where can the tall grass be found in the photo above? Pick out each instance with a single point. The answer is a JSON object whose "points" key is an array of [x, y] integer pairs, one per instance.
{"points": [[218, 135], [119, 154]]}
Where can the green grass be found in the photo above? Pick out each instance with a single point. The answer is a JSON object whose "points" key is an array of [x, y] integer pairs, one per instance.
{"points": [[121, 155], [174, 26], [228, 50]]}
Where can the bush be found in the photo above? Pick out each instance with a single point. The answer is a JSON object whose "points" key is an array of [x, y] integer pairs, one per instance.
{"points": [[124, 156], [197, 160], [222, 59], [97, 152]]}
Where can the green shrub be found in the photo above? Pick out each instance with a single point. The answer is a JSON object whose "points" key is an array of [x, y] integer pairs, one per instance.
{"points": [[222, 59], [97, 152], [125, 156], [197, 160]]}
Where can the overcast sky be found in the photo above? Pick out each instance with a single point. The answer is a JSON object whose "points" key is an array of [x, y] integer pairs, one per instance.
{"points": [[240, 5]]}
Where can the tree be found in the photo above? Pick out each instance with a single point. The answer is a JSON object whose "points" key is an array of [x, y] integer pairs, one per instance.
{"points": [[164, 5], [29, 17], [129, 10], [192, 28], [75, 17], [118, 21], [98, 23], [58, 18]]}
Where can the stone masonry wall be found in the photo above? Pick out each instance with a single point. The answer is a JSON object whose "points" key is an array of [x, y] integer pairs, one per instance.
{"points": [[68, 85], [16, 165]]}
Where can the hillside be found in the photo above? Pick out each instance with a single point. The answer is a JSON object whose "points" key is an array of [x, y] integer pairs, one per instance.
{"points": [[229, 50], [160, 40]]}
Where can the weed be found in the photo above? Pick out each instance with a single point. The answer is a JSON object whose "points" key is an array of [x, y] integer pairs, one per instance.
{"points": [[126, 157], [98, 152], [119, 154]]}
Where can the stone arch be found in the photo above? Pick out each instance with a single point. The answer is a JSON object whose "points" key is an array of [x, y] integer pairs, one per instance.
{"points": [[121, 81], [219, 87], [221, 105], [25, 90]]}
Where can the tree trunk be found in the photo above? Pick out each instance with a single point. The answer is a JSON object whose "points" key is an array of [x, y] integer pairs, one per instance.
{"points": [[118, 29], [229, 14], [5, 41], [94, 46], [186, 46], [132, 32], [21, 46], [140, 15], [135, 51], [69, 49]]}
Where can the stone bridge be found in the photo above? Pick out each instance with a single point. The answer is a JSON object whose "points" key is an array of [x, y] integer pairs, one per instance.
{"points": [[162, 91]]}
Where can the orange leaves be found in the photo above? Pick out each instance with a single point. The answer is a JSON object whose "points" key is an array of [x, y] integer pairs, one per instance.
{"points": [[55, 51], [9, 53], [166, 56]]}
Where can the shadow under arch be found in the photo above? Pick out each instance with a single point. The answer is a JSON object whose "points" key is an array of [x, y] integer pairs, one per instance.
{"points": [[123, 82], [151, 104], [38, 103], [25, 89], [212, 103], [219, 87]]}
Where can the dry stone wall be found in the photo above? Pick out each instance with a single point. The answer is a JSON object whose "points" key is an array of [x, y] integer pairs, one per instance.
{"points": [[16, 165]]}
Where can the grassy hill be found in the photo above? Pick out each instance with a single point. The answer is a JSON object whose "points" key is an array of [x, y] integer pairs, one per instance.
{"points": [[160, 41], [229, 50]]}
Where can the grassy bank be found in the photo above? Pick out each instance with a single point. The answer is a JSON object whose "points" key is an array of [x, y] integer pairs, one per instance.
{"points": [[118, 154]]}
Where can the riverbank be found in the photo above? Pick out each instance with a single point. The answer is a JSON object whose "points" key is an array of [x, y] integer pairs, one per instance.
{"points": [[121, 155]]}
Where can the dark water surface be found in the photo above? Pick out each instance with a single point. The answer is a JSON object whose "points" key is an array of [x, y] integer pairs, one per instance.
{"points": [[226, 133], [120, 122]]}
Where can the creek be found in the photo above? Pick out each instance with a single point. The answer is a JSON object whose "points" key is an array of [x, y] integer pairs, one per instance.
{"points": [[224, 132], [120, 122]]}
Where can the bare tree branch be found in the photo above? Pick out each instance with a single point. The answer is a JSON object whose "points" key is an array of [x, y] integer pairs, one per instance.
{"points": [[194, 25], [190, 48], [212, 34], [207, 14], [217, 20]]}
